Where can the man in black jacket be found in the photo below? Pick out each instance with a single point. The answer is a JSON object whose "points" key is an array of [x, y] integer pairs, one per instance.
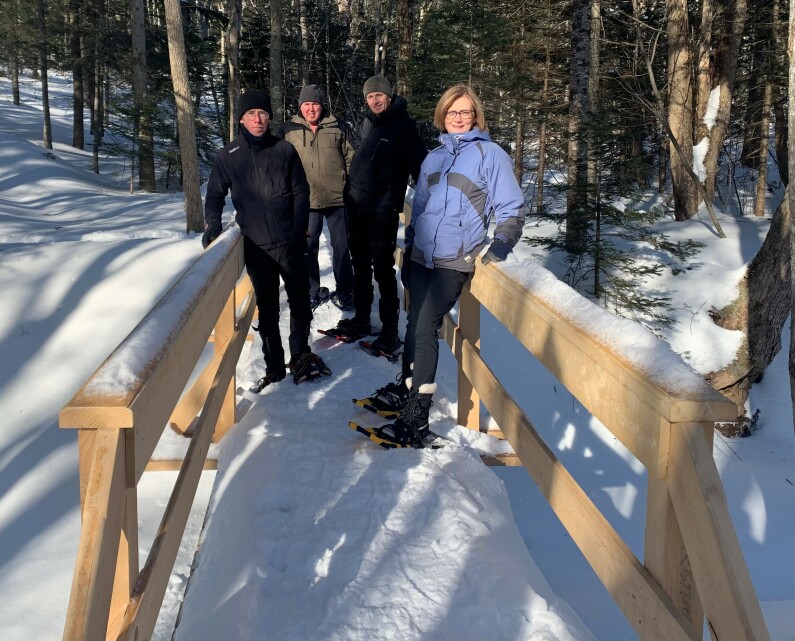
{"points": [[271, 199], [389, 150]]}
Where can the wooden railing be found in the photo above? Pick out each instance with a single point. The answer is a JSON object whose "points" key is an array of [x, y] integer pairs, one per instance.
{"points": [[120, 414], [693, 566]]}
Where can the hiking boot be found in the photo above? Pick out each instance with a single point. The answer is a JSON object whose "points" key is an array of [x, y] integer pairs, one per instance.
{"points": [[388, 400], [266, 380], [353, 327], [343, 300], [308, 367], [411, 428], [319, 297], [388, 342]]}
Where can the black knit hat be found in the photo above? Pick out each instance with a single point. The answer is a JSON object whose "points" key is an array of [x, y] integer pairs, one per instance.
{"points": [[254, 99], [310, 93]]}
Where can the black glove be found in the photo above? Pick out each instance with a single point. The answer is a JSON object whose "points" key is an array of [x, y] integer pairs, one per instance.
{"points": [[498, 252], [405, 268], [210, 235]]}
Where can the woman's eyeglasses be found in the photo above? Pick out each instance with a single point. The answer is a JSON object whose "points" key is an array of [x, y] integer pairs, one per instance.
{"points": [[464, 113]]}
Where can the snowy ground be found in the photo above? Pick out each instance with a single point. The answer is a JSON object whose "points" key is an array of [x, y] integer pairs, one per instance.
{"points": [[312, 531]]}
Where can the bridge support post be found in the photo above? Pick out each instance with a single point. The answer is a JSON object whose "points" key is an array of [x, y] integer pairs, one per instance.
{"points": [[469, 326]]}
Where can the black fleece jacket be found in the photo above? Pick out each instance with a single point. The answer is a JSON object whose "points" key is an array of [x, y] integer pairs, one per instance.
{"points": [[270, 192], [389, 150]]}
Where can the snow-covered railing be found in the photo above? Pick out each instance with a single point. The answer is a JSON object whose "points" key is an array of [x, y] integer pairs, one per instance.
{"points": [[121, 412], [661, 410]]}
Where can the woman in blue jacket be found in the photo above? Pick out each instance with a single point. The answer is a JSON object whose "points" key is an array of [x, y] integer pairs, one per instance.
{"points": [[463, 185]]}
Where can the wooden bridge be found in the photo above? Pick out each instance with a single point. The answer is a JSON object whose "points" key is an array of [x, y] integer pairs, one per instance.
{"points": [[692, 570]]}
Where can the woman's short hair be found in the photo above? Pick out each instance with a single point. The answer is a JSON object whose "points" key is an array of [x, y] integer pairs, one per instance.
{"points": [[449, 97]]}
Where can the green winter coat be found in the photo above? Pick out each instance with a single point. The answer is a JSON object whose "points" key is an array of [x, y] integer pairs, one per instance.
{"points": [[326, 156]]}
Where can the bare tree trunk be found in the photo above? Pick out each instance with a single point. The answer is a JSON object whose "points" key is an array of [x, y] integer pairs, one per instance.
{"points": [[760, 310], [142, 113], [405, 12], [185, 123], [234, 9], [761, 178], [78, 128], [577, 195], [277, 68], [542, 134], [595, 41], [45, 93], [680, 110], [726, 58], [791, 197]]}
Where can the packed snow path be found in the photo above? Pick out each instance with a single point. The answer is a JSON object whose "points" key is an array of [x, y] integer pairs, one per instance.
{"points": [[314, 532]]}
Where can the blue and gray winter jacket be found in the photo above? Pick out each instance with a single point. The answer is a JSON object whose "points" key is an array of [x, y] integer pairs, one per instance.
{"points": [[462, 185]]}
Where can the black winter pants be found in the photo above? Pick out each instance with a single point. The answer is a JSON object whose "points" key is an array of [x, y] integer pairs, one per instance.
{"points": [[433, 293], [340, 256], [264, 267], [372, 239]]}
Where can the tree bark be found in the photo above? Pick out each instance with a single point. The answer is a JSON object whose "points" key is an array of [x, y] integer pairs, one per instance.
{"points": [[791, 198], [726, 58], [78, 128], [234, 10], [404, 13], [45, 93], [141, 110], [680, 110], [577, 195], [185, 122], [760, 310]]}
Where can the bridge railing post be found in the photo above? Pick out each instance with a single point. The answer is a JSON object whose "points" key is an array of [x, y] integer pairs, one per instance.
{"points": [[469, 326]]}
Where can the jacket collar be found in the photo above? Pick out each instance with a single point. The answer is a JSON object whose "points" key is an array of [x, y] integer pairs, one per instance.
{"points": [[455, 142]]}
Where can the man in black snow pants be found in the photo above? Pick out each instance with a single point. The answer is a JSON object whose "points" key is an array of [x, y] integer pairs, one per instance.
{"points": [[389, 150], [270, 194]]}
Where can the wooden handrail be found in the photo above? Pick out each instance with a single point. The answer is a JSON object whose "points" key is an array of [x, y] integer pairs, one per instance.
{"points": [[121, 412], [694, 566]]}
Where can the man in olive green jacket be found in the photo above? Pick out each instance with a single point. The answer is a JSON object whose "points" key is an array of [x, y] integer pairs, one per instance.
{"points": [[326, 149]]}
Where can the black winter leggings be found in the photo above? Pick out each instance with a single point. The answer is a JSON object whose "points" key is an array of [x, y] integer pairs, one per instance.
{"points": [[433, 292]]}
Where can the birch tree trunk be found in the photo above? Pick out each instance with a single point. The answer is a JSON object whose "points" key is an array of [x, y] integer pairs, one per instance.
{"points": [[305, 60], [185, 123]]}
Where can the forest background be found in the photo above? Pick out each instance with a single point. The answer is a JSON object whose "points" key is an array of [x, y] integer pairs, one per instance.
{"points": [[685, 97]]}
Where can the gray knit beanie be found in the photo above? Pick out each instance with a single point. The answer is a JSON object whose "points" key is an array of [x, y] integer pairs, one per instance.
{"points": [[377, 83], [254, 99], [310, 93]]}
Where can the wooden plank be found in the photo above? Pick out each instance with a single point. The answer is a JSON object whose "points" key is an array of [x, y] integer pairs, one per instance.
{"points": [[665, 555], [632, 412], [647, 608], [469, 326], [224, 330], [501, 460], [92, 582], [174, 465], [191, 402], [554, 340], [141, 615], [721, 576]]}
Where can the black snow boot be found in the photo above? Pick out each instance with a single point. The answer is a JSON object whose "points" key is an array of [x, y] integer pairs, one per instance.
{"points": [[411, 428]]}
